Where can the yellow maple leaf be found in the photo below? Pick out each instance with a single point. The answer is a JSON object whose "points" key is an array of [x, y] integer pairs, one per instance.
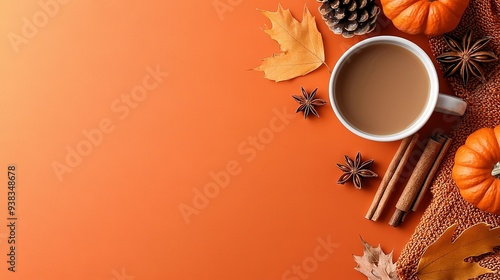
{"points": [[445, 260], [301, 46]]}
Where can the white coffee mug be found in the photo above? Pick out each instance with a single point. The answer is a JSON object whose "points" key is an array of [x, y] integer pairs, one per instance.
{"points": [[435, 102]]}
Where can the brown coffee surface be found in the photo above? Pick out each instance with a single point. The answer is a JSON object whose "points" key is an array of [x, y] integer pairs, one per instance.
{"points": [[382, 89]]}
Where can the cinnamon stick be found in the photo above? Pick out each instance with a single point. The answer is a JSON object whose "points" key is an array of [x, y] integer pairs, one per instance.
{"points": [[387, 176], [439, 159], [394, 179], [416, 180]]}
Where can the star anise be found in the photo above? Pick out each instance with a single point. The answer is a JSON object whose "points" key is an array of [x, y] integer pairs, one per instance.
{"points": [[465, 57], [355, 170], [307, 102]]}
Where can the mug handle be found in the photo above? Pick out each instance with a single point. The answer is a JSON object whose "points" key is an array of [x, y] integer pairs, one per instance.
{"points": [[450, 105]]}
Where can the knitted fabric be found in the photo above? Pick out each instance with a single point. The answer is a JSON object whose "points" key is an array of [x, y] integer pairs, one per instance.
{"points": [[447, 207]]}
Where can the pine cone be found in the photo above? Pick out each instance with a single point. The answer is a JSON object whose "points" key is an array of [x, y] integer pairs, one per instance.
{"points": [[349, 17]]}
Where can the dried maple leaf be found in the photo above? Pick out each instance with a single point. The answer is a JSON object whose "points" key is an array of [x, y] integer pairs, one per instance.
{"points": [[385, 269], [301, 46], [445, 259], [375, 264]]}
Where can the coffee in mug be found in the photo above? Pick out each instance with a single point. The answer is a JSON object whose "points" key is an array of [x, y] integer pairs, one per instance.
{"points": [[385, 88]]}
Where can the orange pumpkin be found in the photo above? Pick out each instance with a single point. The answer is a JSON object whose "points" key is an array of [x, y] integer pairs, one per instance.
{"points": [[429, 17], [477, 169]]}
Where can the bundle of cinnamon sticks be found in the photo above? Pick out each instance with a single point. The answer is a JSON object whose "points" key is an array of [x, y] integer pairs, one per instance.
{"points": [[419, 181]]}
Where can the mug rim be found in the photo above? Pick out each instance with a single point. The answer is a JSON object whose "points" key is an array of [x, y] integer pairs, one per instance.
{"points": [[430, 105]]}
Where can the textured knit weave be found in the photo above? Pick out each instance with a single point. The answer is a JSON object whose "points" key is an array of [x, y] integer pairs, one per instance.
{"points": [[447, 206]]}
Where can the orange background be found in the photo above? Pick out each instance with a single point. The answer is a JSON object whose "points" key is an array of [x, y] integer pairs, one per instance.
{"points": [[116, 215]]}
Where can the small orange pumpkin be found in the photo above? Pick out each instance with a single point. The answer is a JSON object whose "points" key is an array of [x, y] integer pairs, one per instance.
{"points": [[477, 169], [429, 17]]}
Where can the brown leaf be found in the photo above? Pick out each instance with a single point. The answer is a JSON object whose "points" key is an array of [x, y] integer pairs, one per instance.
{"points": [[365, 267], [386, 269], [445, 259], [301, 46], [371, 253], [375, 264]]}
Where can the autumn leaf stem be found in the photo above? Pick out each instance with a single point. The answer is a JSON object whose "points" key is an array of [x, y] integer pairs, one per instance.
{"points": [[327, 67]]}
